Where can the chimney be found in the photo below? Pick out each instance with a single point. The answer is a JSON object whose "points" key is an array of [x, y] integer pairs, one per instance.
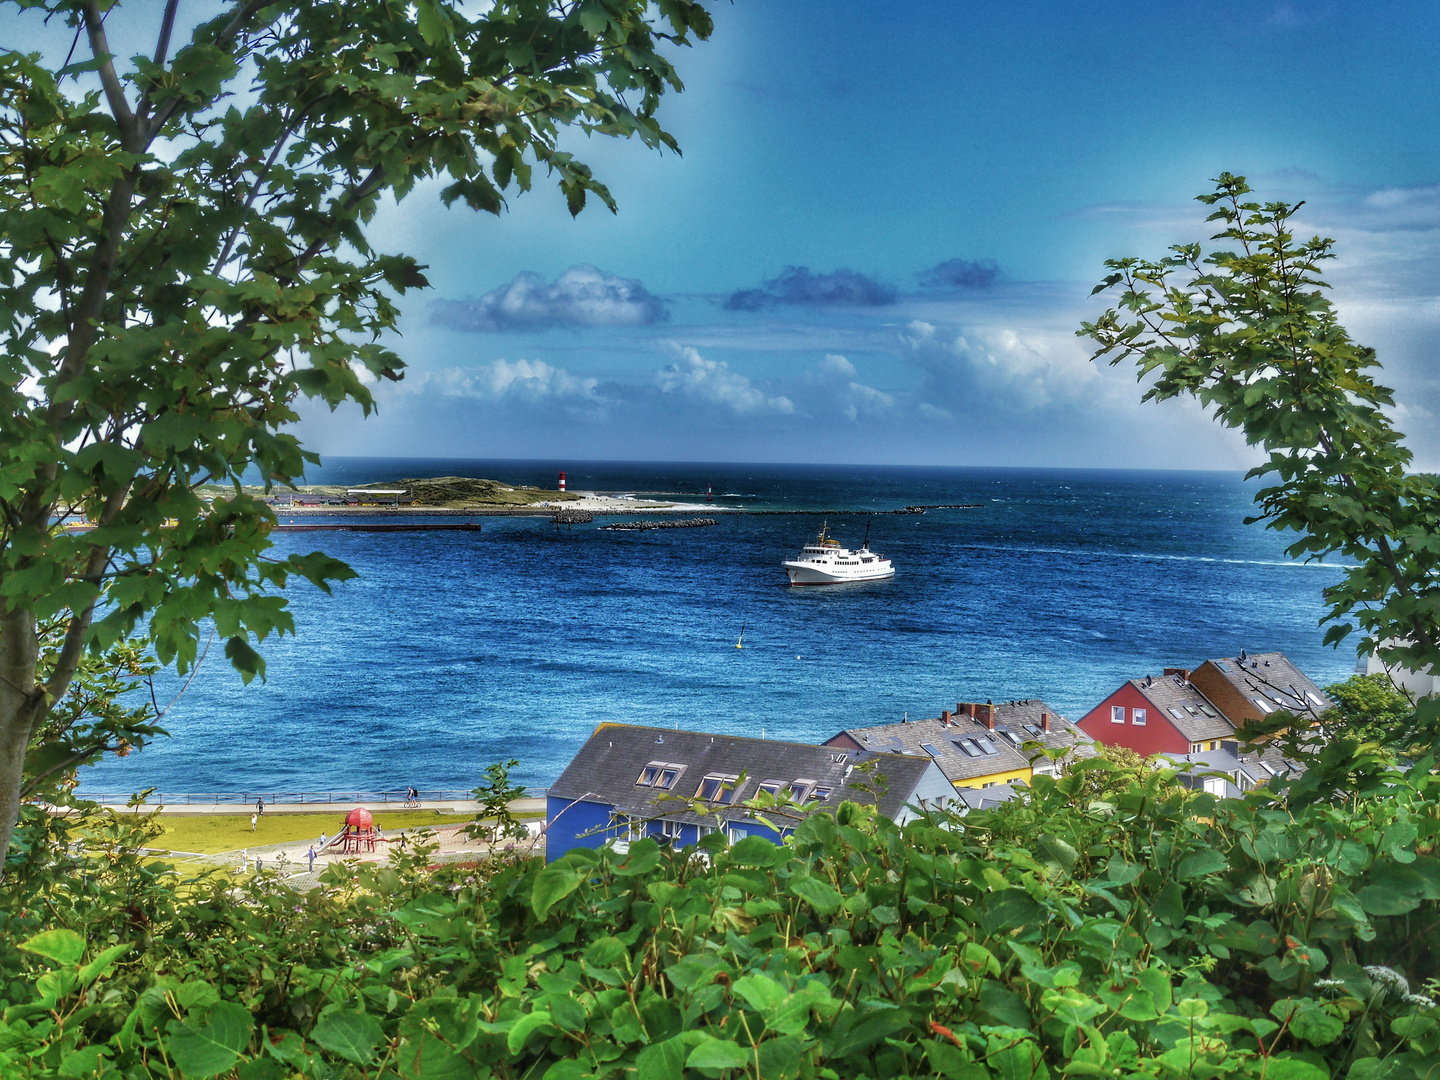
{"points": [[1184, 673], [989, 715], [945, 717], [1044, 721]]}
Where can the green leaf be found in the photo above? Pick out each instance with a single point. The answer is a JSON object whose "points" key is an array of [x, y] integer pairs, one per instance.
{"points": [[662, 1061], [757, 851], [818, 894], [1199, 863], [87, 1062], [1288, 1068], [62, 946], [1056, 851], [1377, 900], [215, 1047], [869, 1029], [352, 1035], [102, 963], [718, 1054], [553, 884], [526, 1026], [760, 992], [262, 1068]]}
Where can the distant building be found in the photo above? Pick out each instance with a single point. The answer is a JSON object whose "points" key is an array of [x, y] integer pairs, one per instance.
{"points": [[1420, 683], [1251, 686], [629, 782], [1164, 714], [1227, 773], [977, 746]]}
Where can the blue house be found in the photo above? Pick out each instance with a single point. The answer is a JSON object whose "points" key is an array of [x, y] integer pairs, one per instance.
{"points": [[629, 782]]}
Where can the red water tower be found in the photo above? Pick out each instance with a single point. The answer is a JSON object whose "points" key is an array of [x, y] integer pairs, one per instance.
{"points": [[562, 481]]}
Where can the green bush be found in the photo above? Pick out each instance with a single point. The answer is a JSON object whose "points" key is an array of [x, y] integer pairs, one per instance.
{"points": [[1158, 934]]}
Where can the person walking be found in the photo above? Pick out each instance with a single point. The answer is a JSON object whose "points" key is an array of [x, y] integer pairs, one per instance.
{"points": [[311, 856], [253, 819], [260, 804], [322, 841], [244, 862], [258, 864]]}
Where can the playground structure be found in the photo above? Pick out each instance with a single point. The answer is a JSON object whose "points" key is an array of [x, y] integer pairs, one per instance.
{"points": [[358, 834]]}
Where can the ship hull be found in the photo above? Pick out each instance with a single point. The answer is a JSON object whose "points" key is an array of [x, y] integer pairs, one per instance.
{"points": [[806, 574]]}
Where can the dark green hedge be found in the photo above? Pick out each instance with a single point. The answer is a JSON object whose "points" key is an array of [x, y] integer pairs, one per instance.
{"points": [[1156, 934]]}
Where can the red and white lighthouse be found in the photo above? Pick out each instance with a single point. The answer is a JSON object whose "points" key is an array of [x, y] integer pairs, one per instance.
{"points": [[562, 481]]}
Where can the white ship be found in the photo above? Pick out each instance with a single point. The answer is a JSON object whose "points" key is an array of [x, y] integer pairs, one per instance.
{"points": [[825, 562]]}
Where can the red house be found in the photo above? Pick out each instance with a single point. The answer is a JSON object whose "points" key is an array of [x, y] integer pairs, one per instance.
{"points": [[1158, 715]]}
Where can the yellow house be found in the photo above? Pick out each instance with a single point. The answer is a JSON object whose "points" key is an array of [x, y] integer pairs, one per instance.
{"points": [[972, 751]]}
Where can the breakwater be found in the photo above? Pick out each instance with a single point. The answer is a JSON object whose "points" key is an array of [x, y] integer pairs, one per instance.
{"points": [[645, 526], [387, 526]]}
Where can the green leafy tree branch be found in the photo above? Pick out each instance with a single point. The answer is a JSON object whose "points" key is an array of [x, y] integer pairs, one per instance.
{"points": [[1250, 331], [183, 253]]}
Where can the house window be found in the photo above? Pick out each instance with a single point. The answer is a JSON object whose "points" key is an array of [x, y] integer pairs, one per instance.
{"points": [[634, 829], [797, 791], [670, 830], [668, 775], [1213, 744], [704, 830], [986, 745], [718, 788], [1194, 748], [1117, 714], [968, 747], [650, 773], [819, 794], [1177, 712], [988, 783], [1137, 717], [929, 749], [772, 787], [1264, 706]]}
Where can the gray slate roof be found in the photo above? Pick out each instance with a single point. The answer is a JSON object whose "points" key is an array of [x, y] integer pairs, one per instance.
{"points": [[984, 798], [1272, 677], [1022, 718], [958, 766], [1184, 706], [608, 766]]}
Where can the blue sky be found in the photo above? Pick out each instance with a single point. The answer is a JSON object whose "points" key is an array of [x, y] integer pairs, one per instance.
{"points": [[884, 227]]}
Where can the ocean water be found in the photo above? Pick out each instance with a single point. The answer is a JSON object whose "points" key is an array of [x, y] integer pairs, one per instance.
{"points": [[454, 650]]}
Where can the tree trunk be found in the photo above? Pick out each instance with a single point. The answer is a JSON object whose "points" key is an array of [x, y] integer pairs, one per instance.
{"points": [[21, 704]]}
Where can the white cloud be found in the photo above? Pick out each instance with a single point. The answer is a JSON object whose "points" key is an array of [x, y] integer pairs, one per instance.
{"points": [[525, 380], [712, 381], [838, 380], [998, 366], [582, 296]]}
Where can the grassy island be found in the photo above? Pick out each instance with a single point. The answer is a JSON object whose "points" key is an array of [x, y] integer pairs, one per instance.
{"points": [[445, 492]]}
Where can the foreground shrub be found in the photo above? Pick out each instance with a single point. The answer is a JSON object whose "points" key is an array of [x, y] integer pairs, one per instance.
{"points": [[1161, 934]]}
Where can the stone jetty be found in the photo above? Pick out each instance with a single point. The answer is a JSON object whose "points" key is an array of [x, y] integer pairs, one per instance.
{"points": [[643, 526]]}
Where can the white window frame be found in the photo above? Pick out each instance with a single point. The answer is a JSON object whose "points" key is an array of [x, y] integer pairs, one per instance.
{"points": [[671, 830], [1117, 714], [729, 782], [1137, 717]]}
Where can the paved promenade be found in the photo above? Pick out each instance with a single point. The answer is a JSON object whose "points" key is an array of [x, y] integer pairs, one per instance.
{"points": [[468, 807]]}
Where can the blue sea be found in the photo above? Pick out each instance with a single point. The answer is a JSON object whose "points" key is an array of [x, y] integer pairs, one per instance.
{"points": [[454, 650]]}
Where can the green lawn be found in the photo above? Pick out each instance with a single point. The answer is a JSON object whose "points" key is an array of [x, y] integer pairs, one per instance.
{"points": [[211, 833]]}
